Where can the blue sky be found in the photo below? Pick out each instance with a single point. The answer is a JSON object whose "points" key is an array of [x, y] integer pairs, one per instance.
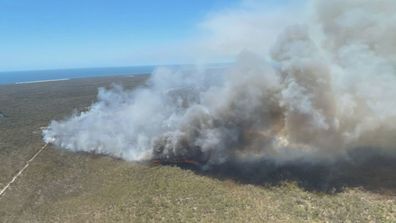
{"points": [[50, 34]]}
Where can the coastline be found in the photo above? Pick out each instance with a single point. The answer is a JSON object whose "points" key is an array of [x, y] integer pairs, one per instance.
{"points": [[38, 76], [42, 81]]}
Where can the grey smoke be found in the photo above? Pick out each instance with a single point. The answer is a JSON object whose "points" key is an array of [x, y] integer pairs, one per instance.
{"points": [[328, 87]]}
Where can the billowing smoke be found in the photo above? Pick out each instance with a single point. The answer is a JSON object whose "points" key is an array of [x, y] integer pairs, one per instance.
{"points": [[329, 87]]}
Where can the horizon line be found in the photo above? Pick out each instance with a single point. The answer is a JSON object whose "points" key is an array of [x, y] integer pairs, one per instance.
{"points": [[105, 67]]}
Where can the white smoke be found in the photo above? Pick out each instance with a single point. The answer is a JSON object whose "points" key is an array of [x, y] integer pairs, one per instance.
{"points": [[251, 26], [328, 87]]}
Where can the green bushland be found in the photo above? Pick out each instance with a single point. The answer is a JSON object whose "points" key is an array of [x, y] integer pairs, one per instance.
{"points": [[61, 186]]}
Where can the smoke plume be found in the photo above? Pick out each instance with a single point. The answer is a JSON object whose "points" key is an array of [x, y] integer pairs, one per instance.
{"points": [[326, 86]]}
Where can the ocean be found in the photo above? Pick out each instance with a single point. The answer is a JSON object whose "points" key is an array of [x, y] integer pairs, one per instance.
{"points": [[20, 77]]}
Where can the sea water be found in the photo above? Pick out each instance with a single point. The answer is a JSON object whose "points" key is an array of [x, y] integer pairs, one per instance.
{"points": [[21, 77]]}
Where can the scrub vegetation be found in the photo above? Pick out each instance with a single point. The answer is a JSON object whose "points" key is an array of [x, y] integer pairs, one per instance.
{"points": [[60, 186]]}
